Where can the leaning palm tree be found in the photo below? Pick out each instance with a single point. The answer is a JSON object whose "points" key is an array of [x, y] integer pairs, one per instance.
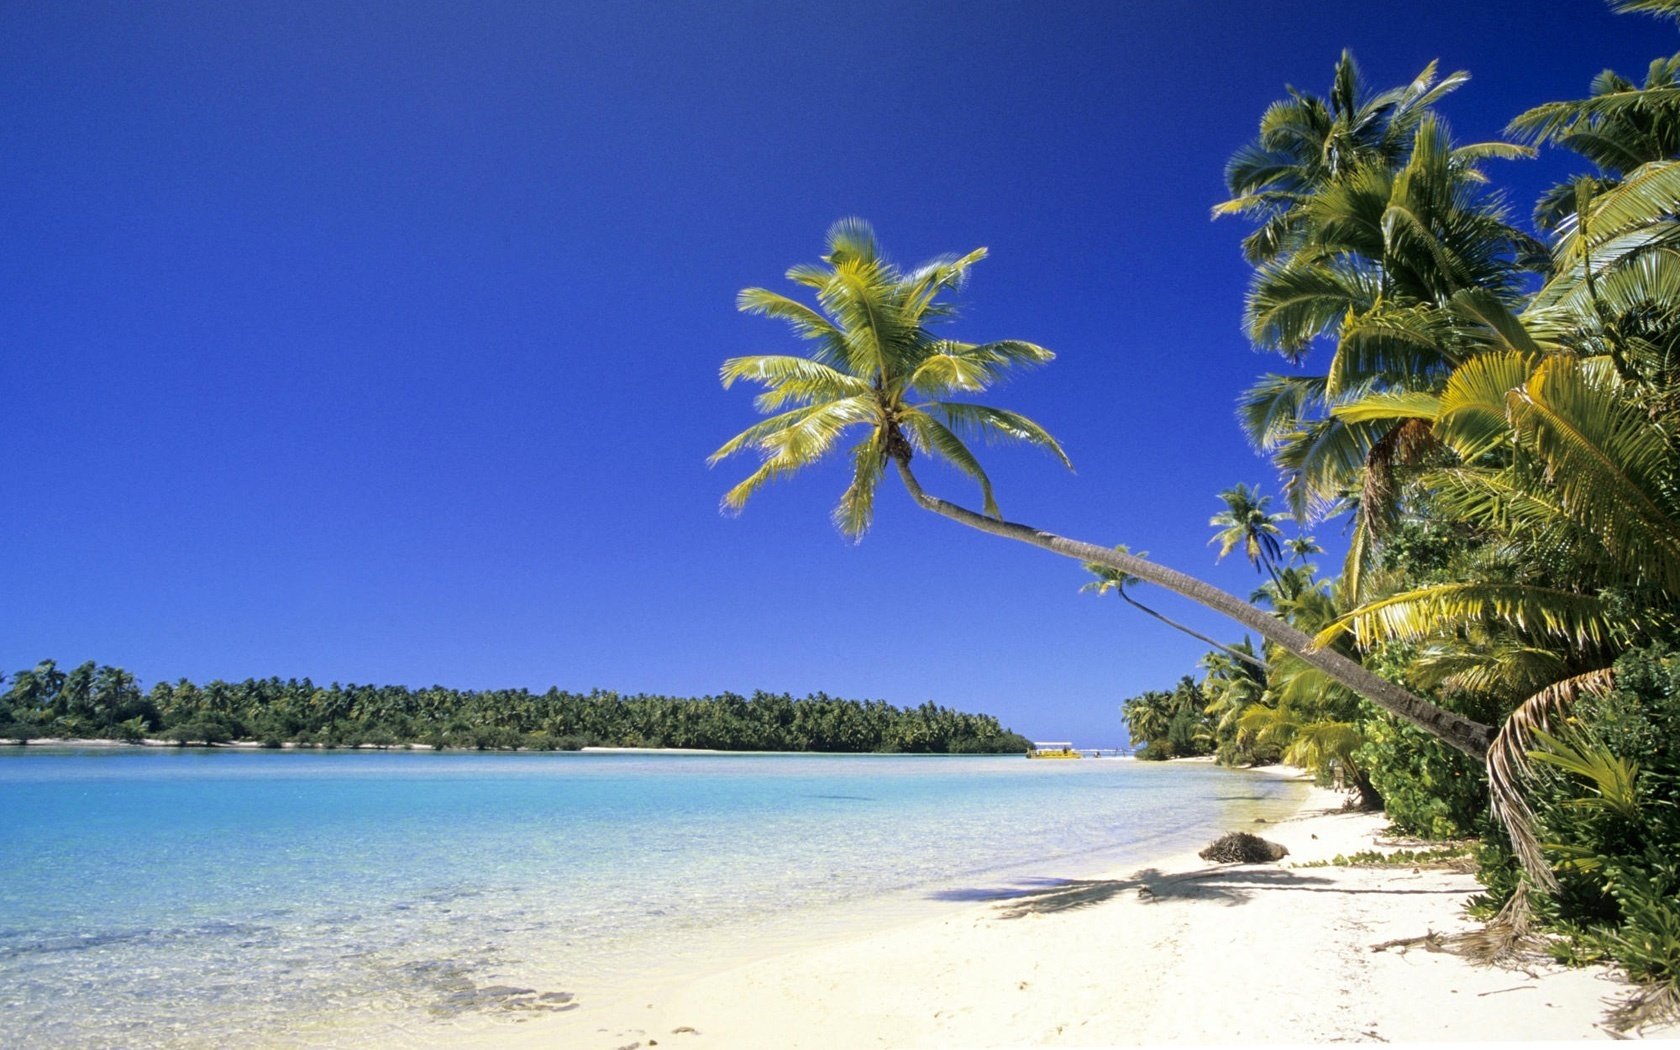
{"points": [[877, 370], [1110, 580]]}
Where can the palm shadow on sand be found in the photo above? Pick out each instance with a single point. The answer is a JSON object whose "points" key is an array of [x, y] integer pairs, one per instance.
{"points": [[1231, 885]]}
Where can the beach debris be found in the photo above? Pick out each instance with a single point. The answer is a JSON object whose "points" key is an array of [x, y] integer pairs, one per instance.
{"points": [[1239, 847], [1429, 942], [686, 1029]]}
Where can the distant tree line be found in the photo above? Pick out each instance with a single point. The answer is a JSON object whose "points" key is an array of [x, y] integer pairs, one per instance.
{"points": [[93, 701]]}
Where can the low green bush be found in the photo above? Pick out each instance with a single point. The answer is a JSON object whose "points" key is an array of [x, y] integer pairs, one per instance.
{"points": [[1429, 789], [1606, 798]]}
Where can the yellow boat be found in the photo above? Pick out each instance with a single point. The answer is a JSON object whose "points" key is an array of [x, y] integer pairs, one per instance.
{"points": [[1053, 749]]}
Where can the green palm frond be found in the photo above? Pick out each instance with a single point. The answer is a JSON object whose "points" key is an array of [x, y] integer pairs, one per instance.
{"points": [[1319, 746], [796, 380], [859, 297], [1612, 466], [1429, 612], [852, 240], [1647, 196], [1405, 343], [856, 509], [1389, 406], [1622, 123], [1361, 556], [793, 444], [1468, 155], [1495, 327], [1613, 779], [1473, 417], [1660, 8], [1271, 726], [755, 435], [1291, 304], [935, 437], [1649, 282], [947, 273], [1508, 502], [1324, 461], [1272, 409], [949, 365], [806, 322], [996, 424], [1501, 667]]}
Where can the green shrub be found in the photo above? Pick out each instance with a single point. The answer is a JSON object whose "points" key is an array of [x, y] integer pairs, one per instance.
{"points": [[132, 731], [1428, 788], [1606, 798], [208, 730]]}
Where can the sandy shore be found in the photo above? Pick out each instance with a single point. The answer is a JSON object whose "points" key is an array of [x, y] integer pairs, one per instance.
{"points": [[1182, 952]]}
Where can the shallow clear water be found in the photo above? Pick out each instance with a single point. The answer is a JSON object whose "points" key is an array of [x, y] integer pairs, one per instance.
{"points": [[191, 897]]}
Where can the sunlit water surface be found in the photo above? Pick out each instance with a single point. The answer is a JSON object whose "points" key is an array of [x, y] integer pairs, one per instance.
{"points": [[210, 898]]}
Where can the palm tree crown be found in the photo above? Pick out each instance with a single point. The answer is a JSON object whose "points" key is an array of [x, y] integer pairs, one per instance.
{"points": [[874, 366], [1247, 521]]}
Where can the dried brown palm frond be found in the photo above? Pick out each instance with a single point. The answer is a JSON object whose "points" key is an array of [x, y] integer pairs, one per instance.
{"points": [[1505, 939], [1508, 766], [1651, 1004], [1507, 936]]}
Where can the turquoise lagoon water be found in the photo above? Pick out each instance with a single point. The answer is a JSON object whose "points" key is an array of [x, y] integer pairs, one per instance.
{"points": [[162, 897]]}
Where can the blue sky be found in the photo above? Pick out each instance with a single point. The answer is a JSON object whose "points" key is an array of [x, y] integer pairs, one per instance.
{"points": [[378, 342]]}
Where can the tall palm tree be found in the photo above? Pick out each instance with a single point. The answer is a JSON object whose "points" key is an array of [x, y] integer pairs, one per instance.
{"points": [[1147, 716], [1620, 126], [876, 366], [1393, 266], [1306, 142], [1232, 685], [1301, 548], [1113, 580], [1248, 522]]}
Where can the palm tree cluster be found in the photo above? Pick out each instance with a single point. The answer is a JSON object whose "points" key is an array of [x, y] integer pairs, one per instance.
{"points": [[1493, 412], [1513, 395]]}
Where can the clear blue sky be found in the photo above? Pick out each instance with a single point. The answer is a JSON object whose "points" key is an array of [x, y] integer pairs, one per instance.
{"points": [[378, 342]]}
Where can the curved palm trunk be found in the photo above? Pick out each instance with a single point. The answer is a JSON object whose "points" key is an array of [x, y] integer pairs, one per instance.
{"points": [[1204, 639], [1468, 736]]}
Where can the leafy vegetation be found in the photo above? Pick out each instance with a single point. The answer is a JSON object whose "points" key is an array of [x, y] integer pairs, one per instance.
{"points": [[91, 701], [1440, 857], [1497, 421]]}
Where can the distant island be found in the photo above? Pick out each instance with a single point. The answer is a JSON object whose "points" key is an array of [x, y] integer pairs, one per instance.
{"points": [[93, 701]]}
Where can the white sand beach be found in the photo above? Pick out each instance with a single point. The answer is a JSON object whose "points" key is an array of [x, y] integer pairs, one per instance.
{"points": [[1182, 952]]}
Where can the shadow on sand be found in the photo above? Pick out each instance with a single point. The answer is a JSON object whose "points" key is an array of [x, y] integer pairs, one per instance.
{"points": [[1232, 885]]}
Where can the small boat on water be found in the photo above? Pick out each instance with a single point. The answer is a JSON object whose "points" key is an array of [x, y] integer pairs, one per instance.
{"points": [[1053, 749]]}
